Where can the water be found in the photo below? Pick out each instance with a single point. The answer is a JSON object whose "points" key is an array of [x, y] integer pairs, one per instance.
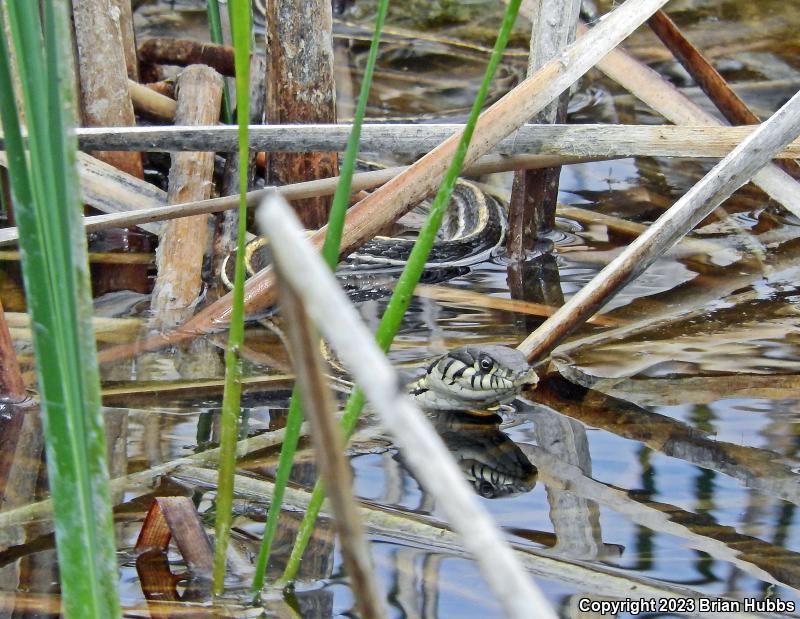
{"points": [[677, 435]]}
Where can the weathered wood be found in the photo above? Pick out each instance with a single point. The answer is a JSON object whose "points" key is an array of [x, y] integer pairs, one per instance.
{"points": [[11, 382], [589, 140], [184, 52], [532, 209], [422, 449], [112, 191], [103, 76], [301, 90], [123, 15], [105, 102], [179, 257], [151, 103], [709, 79], [647, 85], [727, 176]]}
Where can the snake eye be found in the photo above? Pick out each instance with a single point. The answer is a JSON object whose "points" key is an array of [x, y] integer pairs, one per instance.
{"points": [[486, 363]]}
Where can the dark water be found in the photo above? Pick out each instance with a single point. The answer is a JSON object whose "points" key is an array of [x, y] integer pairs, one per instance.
{"points": [[676, 429]]}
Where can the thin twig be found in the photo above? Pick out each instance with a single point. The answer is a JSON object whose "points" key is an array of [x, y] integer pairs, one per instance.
{"points": [[147, 216]]}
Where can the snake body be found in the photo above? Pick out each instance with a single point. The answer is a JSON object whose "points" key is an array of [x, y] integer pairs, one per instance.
{"points": [[474, 226]]}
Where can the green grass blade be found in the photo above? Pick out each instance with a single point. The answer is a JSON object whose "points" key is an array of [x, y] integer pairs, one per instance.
{"points": [[240, 25], [215, 31], [55, 270], [330, 252], [401, 297]]}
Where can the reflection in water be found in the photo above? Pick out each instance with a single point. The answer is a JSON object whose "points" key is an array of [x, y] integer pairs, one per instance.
{"points": [[492, 462]]}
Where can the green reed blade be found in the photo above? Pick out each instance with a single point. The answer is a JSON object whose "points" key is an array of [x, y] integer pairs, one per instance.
{"points": [[215, 31], [56, 274], [240, 26], [401, 297], [330, 252]]}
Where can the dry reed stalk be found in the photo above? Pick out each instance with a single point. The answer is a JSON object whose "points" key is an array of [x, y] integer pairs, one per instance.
{"points": [[393, 199], [108, 189], [103, 77], [179, 257], [727, 176], [329, 447], [151, 103], [708, 78], [648, 86], [532, 209], [584, 140], [124, 18], [300, 90]]}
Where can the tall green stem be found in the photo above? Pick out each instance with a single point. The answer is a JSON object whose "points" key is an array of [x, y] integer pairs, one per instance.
{"points": [[55, 268], [401, 297], [240, 25], [330, 252], [215, 31]]}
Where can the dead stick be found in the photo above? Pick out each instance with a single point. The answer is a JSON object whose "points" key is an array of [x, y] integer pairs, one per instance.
{"points": [[300, 90], [394, 198], [326, 186], [125, 21], [151, 103], [727, 176], [705, 138], [532, 208], [709, 79], [184, 52], [103, 76], [179, 257]]}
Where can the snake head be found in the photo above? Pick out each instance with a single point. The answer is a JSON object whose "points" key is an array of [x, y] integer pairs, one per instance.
{"points": [[475, 376]]}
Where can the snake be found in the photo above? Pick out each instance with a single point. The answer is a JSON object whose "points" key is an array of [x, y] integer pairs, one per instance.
{"points": [[472, 377]]}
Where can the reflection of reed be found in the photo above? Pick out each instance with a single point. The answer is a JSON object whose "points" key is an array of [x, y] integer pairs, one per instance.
{"points": [[761, 560], [755, 468]]}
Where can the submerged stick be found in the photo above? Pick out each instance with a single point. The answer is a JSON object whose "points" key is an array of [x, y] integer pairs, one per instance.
{"points": [[727, 176], [422, 448]]}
